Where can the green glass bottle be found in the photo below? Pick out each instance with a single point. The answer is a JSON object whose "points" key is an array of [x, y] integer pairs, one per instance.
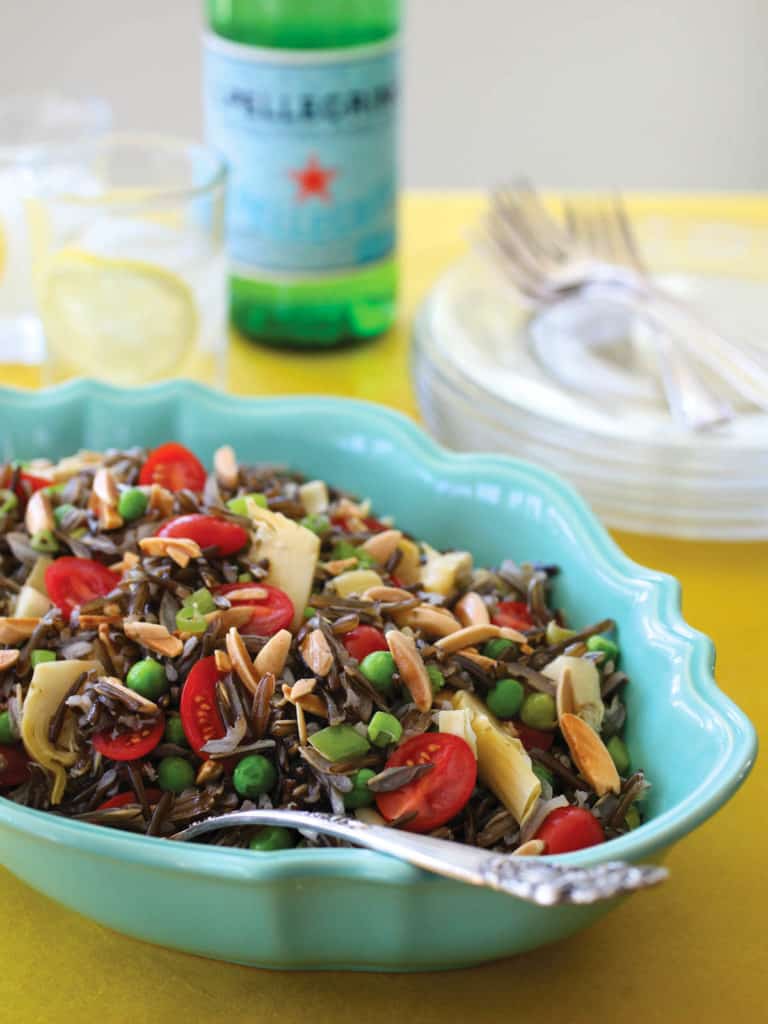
{"points": [[301, 98]]}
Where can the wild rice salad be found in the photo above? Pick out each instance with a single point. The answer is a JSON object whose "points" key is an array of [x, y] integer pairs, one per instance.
{"points": [[175, 644]]}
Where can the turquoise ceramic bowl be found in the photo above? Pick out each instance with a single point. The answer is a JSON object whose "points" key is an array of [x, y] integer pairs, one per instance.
{"points": [[352, 908]]}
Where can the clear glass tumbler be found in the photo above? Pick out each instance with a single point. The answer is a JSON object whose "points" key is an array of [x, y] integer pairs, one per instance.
{"points": [[40, 136], [129, 266]]}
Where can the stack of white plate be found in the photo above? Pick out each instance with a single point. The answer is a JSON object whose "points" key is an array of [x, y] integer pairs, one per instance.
{"points": [[576, 389]]}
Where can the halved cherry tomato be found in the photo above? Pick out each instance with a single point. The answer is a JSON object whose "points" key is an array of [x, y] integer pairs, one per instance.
{"points": [[175, 467], [534, 739], [514, 615], [438, 795], [71, 582], [364, 640], [570, 828], [268, 614], [14, 766], [130, 746], [199, 713], [152, 795], [371, 523], [208, 532]]}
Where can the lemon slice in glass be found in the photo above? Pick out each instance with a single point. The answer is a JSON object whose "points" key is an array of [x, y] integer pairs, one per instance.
{"points": [[123, 320]]}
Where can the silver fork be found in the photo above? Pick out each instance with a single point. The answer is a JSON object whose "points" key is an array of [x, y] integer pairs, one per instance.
{"points": [[548, 262], [532, 879]]}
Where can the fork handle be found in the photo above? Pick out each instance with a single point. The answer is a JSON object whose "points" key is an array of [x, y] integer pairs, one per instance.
{"points": [[531, 879]]}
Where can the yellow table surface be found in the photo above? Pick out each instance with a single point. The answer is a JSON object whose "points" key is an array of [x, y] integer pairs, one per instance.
{"points": [[693, 950]]}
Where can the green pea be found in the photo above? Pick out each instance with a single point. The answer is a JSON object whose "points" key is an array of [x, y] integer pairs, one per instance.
{"points": [[378, 667], [245, 577], [506, 698], [188, 621], [44, 542], [632, 818], [174, 732], [61, 512], [602, 643], [309, 611], [557, 634], [317, 524], [254, 775], [7, 735], [360, 796], [436, 678], [496, 647], [40, 657], [201, 601], [539, 711], [147, 678], [132, 504], [174, 774], [8, 501], [384, 729], [339, 743], [343, 549], [542, 774], [272, 837], [617, 748], [239, 507]]}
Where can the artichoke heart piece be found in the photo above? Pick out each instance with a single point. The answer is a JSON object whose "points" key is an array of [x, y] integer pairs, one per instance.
{"points": [[50, 683], [445, 573], [458, 723], [502, 762], [292, 551], [356, 581], [584, 686]]}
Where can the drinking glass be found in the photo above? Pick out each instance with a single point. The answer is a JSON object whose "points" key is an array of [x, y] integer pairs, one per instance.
{"points": [[129, 265], [39, 139]]}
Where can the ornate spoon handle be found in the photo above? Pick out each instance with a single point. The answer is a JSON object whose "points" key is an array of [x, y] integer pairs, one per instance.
{"points": [[532, 879]]}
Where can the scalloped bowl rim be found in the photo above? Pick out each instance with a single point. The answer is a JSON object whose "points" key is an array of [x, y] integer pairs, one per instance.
{"points": [[695, 649]]}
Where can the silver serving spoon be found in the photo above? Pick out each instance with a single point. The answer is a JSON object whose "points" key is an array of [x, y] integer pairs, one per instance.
{"points": [[528, 878]]}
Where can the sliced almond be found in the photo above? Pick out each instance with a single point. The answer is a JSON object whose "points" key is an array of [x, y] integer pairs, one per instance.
{"points": [[155, 637], [225, 466], [13, 631], [469, 636], [387, 595], [70, 466], [302, 687], [564, 696], [8, 659], [339, 565], [230, 617], [590, 754], [411, 667], [161, 500], [104, 500], [39, 514], [533, 848], [479, 659], [316, 652], [241, 662], [210, 771], [429, 620], [274, 654], [247, 593], [96, 621], [106, 640], [181, 549], [262, 704], [129, 561], [223, 663], [382, 546], [472, 610], [301, 723], [310, 702]]}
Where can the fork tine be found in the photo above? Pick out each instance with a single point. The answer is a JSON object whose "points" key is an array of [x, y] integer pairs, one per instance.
{"points": [[541, 221]]}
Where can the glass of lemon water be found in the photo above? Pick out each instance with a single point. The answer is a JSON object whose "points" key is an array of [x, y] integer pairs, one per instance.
{"points": [[129, 264], [40, 137]]}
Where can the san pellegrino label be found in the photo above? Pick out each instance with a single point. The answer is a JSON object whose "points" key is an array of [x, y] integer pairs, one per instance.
{"points": [[309, 136]]}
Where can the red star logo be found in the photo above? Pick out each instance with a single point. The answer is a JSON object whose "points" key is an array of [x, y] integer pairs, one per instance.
{"points": [[313, 181]]}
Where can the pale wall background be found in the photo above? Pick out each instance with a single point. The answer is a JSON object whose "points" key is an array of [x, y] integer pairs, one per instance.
{"points": [[669, 93]]}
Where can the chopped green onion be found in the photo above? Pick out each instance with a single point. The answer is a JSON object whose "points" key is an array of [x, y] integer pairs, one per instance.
{"points": [[44, 542], [41, 657], [8, 501], [239, 505], [189, 621], [201, 602]]}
